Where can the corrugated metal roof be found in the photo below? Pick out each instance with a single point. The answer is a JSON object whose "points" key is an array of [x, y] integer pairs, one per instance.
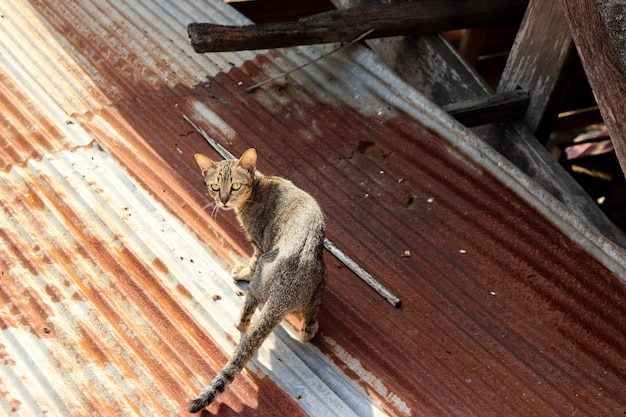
{"points": [[110, 265]]}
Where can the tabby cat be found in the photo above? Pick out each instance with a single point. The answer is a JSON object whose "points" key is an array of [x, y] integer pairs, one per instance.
{"points": [[286, 273]]}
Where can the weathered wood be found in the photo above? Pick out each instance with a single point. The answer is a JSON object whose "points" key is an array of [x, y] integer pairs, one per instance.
{"points": [[602, 64], [538, 63], [502, 107], [613, 12], [425, 16]]}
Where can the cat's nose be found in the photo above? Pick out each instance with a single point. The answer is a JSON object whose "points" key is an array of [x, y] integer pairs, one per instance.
{"points": [[224, 199]]}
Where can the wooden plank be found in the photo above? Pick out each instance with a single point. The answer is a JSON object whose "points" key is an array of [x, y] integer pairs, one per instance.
{"points": [[538, 63], [426, 16], [502, 107], [602, 65]]}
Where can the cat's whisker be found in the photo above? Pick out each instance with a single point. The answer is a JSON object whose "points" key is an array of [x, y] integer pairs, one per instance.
{"points": [[214, 212]]}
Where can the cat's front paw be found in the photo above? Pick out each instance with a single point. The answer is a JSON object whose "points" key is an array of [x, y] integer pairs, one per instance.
{"points": [[243, 324], [241, 273]]}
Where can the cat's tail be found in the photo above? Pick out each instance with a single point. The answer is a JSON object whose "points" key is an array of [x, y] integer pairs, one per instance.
{"points": [[248, 345]]}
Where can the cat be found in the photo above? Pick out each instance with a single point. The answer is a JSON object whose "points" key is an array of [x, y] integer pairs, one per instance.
{"points": [[286, 273]]}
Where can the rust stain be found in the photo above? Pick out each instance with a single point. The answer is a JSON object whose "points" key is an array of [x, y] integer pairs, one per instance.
{"points": [[4, 356], [77, 296], [160, 266], [15, 405], [54, 293], [183, 291]]}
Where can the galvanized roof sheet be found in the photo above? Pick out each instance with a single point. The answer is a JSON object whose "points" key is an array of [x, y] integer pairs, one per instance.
{"points": [[116, 298]]}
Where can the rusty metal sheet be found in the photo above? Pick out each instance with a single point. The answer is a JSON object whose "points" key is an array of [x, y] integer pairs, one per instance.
{"points": [[510, 306]]}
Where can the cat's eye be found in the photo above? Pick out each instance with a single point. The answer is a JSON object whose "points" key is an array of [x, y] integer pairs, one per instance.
{"points": [[236, 186], [215, 187]]}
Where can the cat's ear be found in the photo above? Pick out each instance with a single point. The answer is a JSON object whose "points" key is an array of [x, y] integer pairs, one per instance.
{"points": [[204, 162], [248, 160]]}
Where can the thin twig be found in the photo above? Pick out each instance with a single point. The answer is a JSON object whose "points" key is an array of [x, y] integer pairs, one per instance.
{"points": [[269, 80], [362, 273], [214, 144]]}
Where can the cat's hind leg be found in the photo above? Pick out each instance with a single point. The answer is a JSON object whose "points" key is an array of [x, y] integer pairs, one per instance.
{"points": [[309, 324], [249, 306], [308, 329]]}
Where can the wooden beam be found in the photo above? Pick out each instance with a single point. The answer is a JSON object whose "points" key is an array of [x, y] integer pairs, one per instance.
{"points": [[425, 16], [539, 62], [602, 65], [483, 110]]}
